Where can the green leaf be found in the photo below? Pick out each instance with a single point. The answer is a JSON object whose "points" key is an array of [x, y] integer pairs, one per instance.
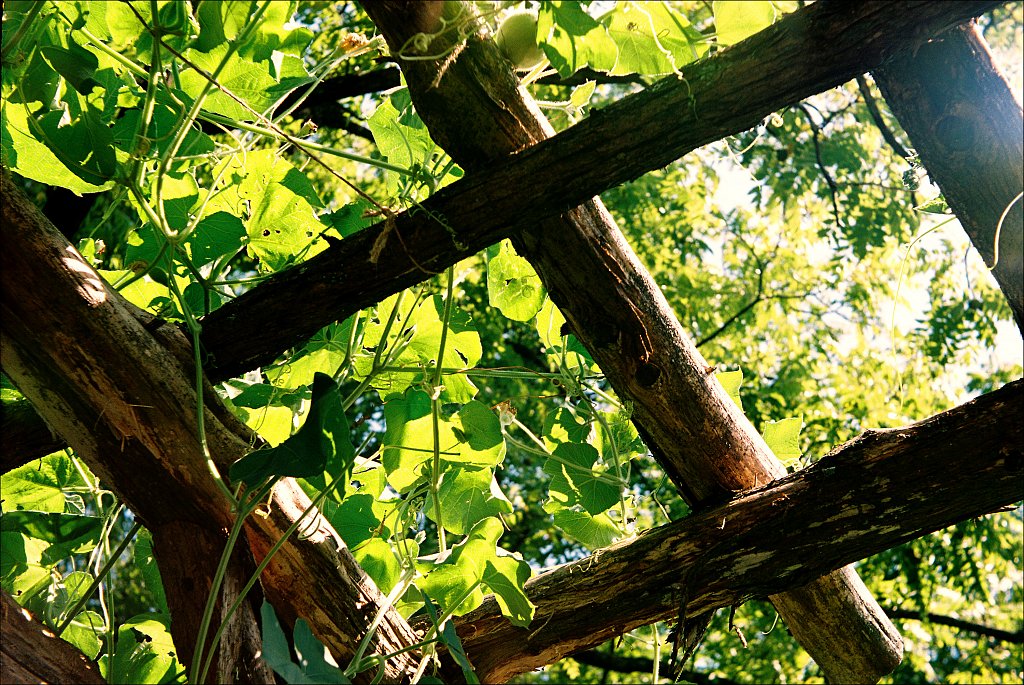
{"points": [[21, 572], [783, 437], [562, 425], [573, 480], [146, 563], [354, 519], [735, 21], [66, 533], [25, 153], [249, 81], [40, 485], [76, 64], [512, 284], [324, 352], [315, 664], [652, 39], [449, 637], [322, 444], [147, 660], [481, 441], [594, 532], [571, 39], [459, 577], [281, 220], [468, 496], [506, 576], [216, 235], [400, 135], [84, 632], [376, 558], [409, 438], [731, 381]]}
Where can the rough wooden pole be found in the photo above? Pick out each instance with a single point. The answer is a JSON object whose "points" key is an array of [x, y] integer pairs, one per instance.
{"points": [[967, 127], [473, 106], [117, 385]]}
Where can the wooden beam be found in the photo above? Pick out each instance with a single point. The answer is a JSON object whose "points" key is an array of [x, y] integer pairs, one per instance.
{"points": [[879, 490], [965, 124]]}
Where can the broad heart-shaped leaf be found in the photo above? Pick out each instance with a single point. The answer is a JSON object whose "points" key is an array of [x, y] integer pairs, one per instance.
{"points": [[468, 496], [731, 381], [76, 64], [400, 135], [479, 431], [506, 575], [735, 21], [512, 284], [315, 664], [145, 561], [22, 572], [322, 444], [162, 125], [571, 39], [462, 348], [409, 438], [39, 485], [84, 632], [25, 153], [652, 39], [783, 437], [477, 561], [149, 660], [376, 558], [593, 532], [573, 480], [281, 221], [249, 81], [66, 533], [562, 425], [323, 352]]}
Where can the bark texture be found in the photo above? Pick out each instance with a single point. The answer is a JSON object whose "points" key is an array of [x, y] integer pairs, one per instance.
{"points": [[31, 653], [968, 129], [119, 388], [695, 431], [877, 491]]}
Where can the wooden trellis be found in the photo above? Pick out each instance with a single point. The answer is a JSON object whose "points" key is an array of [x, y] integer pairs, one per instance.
{"points": [[697, 434]]}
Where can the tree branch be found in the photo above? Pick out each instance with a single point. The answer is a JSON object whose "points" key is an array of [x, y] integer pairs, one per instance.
{"points": [[969, 626], [876, 116]]}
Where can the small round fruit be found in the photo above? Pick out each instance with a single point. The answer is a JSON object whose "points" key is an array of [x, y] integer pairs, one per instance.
{"points": [[517, 39]]}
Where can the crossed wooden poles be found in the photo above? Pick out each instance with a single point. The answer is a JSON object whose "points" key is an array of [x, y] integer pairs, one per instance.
{"points": [[706, 446]]}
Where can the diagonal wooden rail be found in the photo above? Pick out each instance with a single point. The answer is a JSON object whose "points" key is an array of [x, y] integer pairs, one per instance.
{"points": [[872, 493], [473, 106], [640, 133]]}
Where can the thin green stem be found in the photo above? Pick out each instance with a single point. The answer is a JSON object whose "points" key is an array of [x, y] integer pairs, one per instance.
{"points": [[30, 16], [104, 570]]}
